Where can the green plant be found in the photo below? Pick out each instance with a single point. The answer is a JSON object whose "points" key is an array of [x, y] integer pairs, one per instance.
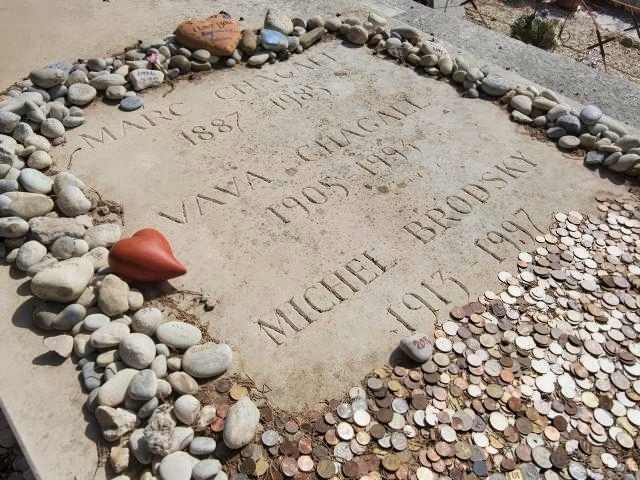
{"points": [[541, 32]]}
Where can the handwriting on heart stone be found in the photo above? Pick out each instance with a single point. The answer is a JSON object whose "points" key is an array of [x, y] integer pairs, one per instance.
{"points": [[218, 34]]}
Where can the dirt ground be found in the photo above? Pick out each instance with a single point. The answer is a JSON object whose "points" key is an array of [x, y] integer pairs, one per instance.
{"points": [[578, 32]]}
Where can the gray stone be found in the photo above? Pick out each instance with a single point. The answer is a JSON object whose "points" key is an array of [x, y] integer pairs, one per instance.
{"points": [[48, 229], [258, 60], [357, 34], [333, 24], [62, 345], [625, 162], [309, 38], [206, 417], [594, 158], [186, 409], [40, 160], [9, 186], [37, 141], [114, 390], [279, 22], [569, 142], [72, 121], [82, 345], [522, 103], [119, 459], [135, 299], [494, 86], [543, 104], [182, 437], [139, 447], [99, 257], [115, 92], [72, 202], [628, 142], [70, 316], [183, 383], [206, 469], [115, 422], [91, 378], [146, 320], [110, 335], [81, 94], [144, 385], [241, 423], [56, 110], [13, 227], [131, 103], [180, 62], [47, 77], [178, 335], [35, 181], [570, 123], [588, 141], [106, 80], [146, 410], [176, 466], [174, 363], [65, 179], [96, 64], [113, 296], [52, 128], [556, 112], [8, 121], [68, 247], [207, 360], [29, 254], [63, 282], [160, 430], [418, 347], [611, 158], [142, 79], [24, 205], [137, 350], [159, 366], [555, 133], [520, 117], [202, 446], [590, 114]]}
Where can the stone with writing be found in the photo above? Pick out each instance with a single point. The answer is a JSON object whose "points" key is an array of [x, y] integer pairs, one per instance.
{"points": [[418, 347], [218, 34]]}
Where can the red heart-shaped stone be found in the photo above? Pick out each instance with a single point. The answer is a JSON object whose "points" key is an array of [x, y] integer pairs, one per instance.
{"points": [[145, 257]]}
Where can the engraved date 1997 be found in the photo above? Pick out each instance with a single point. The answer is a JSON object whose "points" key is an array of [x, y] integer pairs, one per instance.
{"points": [[216, 128]]}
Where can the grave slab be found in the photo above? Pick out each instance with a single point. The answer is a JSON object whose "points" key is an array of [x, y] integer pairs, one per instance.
{"points": [[330, 204]]}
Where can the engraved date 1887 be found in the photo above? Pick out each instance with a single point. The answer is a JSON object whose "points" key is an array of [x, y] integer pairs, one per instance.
{"points": [[217, 128]]}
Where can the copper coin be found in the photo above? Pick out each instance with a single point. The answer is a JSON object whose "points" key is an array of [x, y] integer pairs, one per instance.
{"points": [[289, 466], [217, 425], [222, 410], [384, 415], [247, 466], [289, 448], [305, 445], [223, 385], [350, 469], [377, 431], [326, 468]]}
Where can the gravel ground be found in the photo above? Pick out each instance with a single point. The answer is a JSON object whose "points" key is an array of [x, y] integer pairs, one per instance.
{"points": [[578, 33], [13, 465]]}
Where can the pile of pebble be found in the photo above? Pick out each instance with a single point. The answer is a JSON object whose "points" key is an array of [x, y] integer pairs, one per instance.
{"points": [[486, 397]]}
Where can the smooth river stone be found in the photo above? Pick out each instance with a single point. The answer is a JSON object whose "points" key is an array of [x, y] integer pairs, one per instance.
{"points": [[178, 335], [64, 282], [110, 335], [137, 350], [113, 296], [24, 205], [177, 466], [114, 390], [241, 423], [207, 360], [186, 409], [146, 320], [143, 386]]}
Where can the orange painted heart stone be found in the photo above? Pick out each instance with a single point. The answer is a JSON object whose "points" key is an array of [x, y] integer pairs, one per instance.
{"points": [[219, 34], [145, 257]]}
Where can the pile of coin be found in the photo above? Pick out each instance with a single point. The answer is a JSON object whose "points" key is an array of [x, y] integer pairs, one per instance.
{"points": [[539, 381]]}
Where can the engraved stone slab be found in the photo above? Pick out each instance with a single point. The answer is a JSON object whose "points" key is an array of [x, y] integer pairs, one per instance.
{"points": [[330, 204]]}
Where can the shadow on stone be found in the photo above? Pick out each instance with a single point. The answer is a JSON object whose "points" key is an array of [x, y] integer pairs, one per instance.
{"points": [[24, 289], [23, 316], [399, 359]]}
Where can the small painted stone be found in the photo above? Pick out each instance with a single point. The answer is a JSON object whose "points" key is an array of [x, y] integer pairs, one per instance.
{"points": [[273, 40], [418, 347], [218, 34], [145, 257]]}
